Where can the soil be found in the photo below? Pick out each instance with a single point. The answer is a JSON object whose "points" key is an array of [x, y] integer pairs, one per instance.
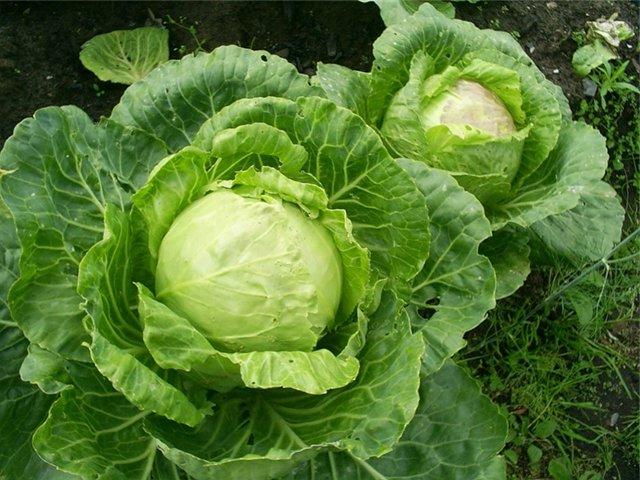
{"points": [[40, 42]]}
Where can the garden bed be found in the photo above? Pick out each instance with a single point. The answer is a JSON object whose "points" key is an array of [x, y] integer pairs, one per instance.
{"points": [[39, 66]]}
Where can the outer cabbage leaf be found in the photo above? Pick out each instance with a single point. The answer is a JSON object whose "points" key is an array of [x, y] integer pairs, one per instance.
{"points": [[174, 100], [455, 434], [22, 409], [126, 56], [268, 432], [576, 165], [19, 400], [94, 432], [562, 236], [345, 87], [106, 282], [454, 291], [59, 172], [395, 11]]}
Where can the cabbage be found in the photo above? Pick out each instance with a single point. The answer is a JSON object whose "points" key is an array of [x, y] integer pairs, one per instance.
{"points": [[471, 102], [227, 278], [213, 269]]}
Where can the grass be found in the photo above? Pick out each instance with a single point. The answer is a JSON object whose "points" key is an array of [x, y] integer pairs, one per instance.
{"points": [[561, 355]]}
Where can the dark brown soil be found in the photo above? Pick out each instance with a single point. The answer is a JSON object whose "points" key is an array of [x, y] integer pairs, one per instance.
{"points": [[40, 42], [544, 29]]}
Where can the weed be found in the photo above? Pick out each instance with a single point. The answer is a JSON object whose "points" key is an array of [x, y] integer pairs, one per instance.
{"points": [[615, 112], [98, 90], [182, 24], [556, 369]]}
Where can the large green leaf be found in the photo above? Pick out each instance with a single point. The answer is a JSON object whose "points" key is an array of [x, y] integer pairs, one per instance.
{"points": [[395, 11], [23, 407], [175, 343], [456, 288], [345, 87], [455, 435], [575, 166], [126, 56], [176, 98], [60, 170], [347, 158], [587, 232], [260, 434], [94, 432], [106, 282]]}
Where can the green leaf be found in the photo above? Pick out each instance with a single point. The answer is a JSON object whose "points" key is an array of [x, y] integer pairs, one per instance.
{"points": [[61, 170], [126, 56], [545, 428], [574, 167], [174, 183], [455, 434], [395, 11], [45, 369], [534, 454], [560, 468], [94, 432], [175, 343], [587, 232], [51, 191], [106, 282], [18, 400], [140, 385], [255, 434], [582, 304], [345, 87], [590, 56], [508, 251], [173, 101], [456, 288], [22, 408]]}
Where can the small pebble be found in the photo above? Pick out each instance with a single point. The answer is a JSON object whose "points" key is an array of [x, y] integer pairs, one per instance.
{"points": [[551, 5], [614, 419], [556, 70], [49, 77], [589, 87]]}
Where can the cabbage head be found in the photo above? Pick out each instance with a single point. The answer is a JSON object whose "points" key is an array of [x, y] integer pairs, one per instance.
{"points": [[472, 103], [231, 278]]}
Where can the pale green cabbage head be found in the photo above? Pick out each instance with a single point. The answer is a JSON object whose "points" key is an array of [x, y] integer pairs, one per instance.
{"points": [[468, 103], [250, 273]]}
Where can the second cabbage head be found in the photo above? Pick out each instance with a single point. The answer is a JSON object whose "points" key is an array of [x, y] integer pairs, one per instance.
{"points": [[472, 103]]}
